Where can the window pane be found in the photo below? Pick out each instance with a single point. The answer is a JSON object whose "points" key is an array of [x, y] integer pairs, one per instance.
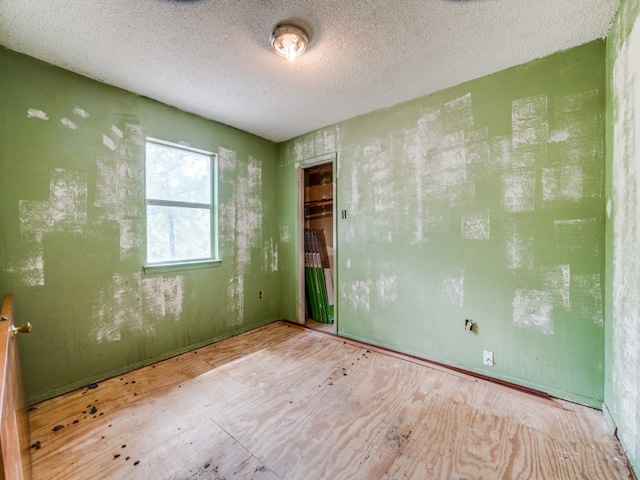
{"points": [[177, 175], [177, 233]]}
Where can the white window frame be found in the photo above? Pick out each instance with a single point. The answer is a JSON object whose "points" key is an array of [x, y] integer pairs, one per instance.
{"points": [[212, 207]]}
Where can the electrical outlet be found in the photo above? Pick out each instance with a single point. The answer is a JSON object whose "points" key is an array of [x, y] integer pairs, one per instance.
{"points": [[487, 358]]}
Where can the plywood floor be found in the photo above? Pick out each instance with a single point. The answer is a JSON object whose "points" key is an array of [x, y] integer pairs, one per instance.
{"points": [[287, 402]]}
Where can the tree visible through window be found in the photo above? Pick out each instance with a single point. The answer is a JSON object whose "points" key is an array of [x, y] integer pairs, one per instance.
{"points": [[180, 196]]}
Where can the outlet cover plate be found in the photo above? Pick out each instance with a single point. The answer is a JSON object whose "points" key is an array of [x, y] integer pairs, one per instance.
{"points": [[487, 358]]}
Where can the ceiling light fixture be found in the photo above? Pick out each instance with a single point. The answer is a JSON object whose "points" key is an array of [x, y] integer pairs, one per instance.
{"points": [[289, 41]]}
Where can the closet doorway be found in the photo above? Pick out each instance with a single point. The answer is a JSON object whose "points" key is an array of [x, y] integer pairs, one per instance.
{"points": [[316, 292]]}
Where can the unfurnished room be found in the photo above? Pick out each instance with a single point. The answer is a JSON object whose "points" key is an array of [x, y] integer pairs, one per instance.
{"points": [[320, 240]]}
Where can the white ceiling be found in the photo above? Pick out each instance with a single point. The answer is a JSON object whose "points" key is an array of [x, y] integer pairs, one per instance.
{"points": [[213, 57]]}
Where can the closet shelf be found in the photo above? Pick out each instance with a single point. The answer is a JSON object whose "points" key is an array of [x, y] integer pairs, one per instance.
{"points": [[318, 203]]}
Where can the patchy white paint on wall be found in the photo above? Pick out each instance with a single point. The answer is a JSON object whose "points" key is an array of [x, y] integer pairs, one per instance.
{"points": [[476, 225], [356, 295], [384, 189], [65, 211], [562, 183], [173, 289], [35, 113], [583, 140], [348, 262], [588, 294], [557, 280], [387, 289], [120, 175], [626, 234], [452, 287], [34, 217], [529, 120], [132, 237], [609, 207], [284, 234], [153, 297], [519, 250], [131, 304], [117, 132], [68, 200], [518, 191], [457, 115], [477, 153], [110, 144], [80, 112], [558, 136], [270, 256], [240, 218], [28, 268], [235, 294], [501, 152], [68, 123], [533, 309]]}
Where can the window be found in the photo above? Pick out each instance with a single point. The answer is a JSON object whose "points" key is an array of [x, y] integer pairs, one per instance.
{"points": [[181, 208]]}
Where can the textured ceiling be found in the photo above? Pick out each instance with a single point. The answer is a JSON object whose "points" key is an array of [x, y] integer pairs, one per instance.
{"points": [[213, 57]]}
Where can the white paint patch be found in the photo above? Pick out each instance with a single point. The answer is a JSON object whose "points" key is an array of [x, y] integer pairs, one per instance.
{"points": [[153, 297], [356, 295], [34, 218], [379, 169], [476, 225], [387, 289], [270, 256], [68, 200], [80, 112], [562, 183], [119, 179], [529, 120], [452, 287], [241, 220], [117, 132], [533, 309], [348, 262], [557, 280], [173, 289], [518, 191], [588, 293], [110, 144], [458, 114], [132, 237], [35, 113], [558, 136], [65, 211], [519, 251], [131, 304], [579, 115], [235, 294], [609, 207], [29, 268], [68, 123], [284, 234], [625, 318], [184, 142]]}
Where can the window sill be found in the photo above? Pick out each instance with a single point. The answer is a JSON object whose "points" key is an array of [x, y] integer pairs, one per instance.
{"points": [[176, 267]]}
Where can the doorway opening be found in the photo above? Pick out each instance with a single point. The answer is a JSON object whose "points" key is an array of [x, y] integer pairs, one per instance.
{"points": [[317, 305]]}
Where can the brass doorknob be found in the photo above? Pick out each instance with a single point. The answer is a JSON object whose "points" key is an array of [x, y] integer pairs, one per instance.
{"points": [[26, 328]]}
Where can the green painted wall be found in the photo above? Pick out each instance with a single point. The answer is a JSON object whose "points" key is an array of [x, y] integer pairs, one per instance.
{"points": [[483, 201], [622, 311], [72, 229]]}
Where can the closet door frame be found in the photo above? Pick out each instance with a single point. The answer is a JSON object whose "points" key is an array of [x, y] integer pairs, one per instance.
{"points": [[300, 167]]}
